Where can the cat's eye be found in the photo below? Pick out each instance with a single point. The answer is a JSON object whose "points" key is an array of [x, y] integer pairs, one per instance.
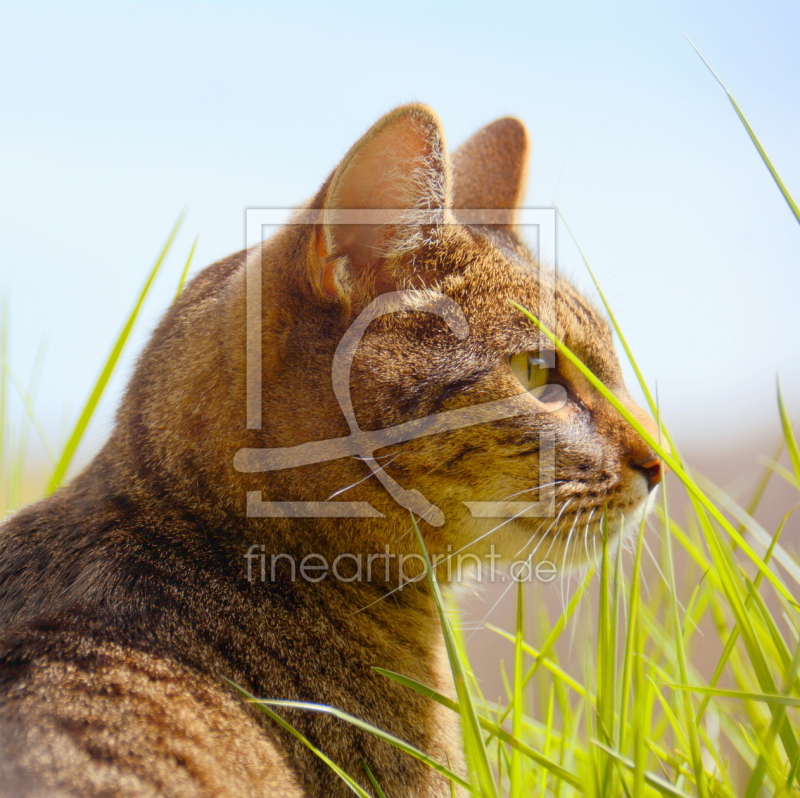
{"points": [[530, 369]]}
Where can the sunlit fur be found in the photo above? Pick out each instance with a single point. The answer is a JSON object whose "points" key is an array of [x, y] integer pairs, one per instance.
{"points": [[124, 598]]}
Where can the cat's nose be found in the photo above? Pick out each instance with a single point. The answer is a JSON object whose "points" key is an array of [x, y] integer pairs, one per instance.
{"points": [[652, 469], [641, 457]]}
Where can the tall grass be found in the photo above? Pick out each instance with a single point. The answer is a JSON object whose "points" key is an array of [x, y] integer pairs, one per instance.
{"points": [[689, 688], [690, 684], [21, 482]]}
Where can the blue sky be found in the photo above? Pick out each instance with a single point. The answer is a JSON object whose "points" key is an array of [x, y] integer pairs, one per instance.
{"points": [[116, 116]]}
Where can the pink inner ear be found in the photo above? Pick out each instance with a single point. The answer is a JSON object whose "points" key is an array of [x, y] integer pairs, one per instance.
{"points": [[384, 172], [398, 165]]}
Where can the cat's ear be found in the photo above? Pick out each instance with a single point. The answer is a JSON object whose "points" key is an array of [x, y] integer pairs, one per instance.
{"points": [[383, 200], [490, 170]]}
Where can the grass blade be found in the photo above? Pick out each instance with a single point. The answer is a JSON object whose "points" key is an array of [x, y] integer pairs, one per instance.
{"points": [[477, 756], [493, 728], [379, 793], [370, 729], [668, 458], [185, 271], [788, 434], [85, 417], [348, 780], [775, 176]]}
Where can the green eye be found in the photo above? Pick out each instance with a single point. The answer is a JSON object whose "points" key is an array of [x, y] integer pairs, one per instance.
{"points": [[530, 370]]}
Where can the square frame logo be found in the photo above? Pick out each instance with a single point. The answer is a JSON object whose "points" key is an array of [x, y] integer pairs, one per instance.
{"points": [[364, 444]]}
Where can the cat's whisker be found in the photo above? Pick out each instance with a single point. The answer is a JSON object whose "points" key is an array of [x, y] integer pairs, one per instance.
{"points": [[622, 575], [645, 582], [547, 531], [590, 532], [576, 614], [486, 534], [529, 490], [660, 572], [574, 555], [550, 547], [358, 482], [564, 569], [377, 600], [586, 535], [528, 560]]}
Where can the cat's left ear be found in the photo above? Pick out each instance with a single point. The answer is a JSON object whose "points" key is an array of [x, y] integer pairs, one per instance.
{"points": [[384, 200], [491, 168]]}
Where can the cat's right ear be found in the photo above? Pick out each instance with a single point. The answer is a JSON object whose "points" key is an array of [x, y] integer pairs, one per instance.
{"points": [[383, 200], [490, 170]]}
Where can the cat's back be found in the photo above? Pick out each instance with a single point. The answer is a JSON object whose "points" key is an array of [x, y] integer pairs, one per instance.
{"points": [[83, 716], [89, 705]]}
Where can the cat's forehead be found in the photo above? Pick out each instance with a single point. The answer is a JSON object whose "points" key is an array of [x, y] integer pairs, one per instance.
{"points": [[502, 266], [499, 271]]}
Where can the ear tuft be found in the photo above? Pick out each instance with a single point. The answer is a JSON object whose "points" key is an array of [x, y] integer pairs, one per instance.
{"points": [[392, 186], [490, 169]]}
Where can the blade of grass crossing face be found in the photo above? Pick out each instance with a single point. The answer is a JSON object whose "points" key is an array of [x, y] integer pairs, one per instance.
{"points": [[667, 458], [475, 749], [623, 341], [85, 417]]}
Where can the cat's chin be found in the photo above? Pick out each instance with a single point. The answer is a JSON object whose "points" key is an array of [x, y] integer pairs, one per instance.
{"points": [[577, 541]]}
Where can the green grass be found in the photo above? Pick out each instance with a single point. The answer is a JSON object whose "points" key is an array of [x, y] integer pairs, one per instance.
{"points": [[689, 682]]}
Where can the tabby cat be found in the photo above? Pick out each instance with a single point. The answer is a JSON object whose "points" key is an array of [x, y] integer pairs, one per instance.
{"points": [[129, 597]]}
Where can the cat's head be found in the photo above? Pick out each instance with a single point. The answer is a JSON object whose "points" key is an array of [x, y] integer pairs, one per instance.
{"points": [[431, 254]]}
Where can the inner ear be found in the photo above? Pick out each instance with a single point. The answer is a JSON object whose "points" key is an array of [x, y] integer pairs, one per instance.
{"points": [[490, 171], [394, 181]]}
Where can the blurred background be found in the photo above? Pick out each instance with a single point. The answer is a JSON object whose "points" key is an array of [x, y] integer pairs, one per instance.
{"points": [[116, 116]]}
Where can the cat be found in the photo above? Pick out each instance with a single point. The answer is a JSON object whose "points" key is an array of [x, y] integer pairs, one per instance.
{"points": [[129, 596]]}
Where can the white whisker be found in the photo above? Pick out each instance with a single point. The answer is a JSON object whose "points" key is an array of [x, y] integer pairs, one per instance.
{"points": [[363, 479]]}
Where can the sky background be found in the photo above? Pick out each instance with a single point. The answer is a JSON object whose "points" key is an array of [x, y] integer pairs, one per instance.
{"points": [[116, 116]]}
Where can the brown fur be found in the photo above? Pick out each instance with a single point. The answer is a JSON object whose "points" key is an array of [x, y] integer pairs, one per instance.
{"points": [[124, 597]]}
